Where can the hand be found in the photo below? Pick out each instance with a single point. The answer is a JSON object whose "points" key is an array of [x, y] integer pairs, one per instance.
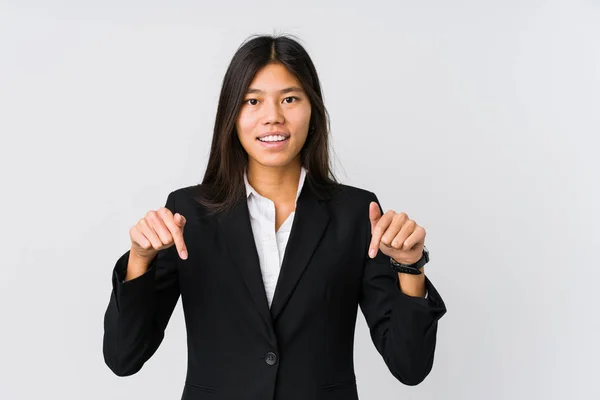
{"points": [[395, 235], [158, 230]]}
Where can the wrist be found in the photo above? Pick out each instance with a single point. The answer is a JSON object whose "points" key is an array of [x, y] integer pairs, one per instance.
{"points": [[412, 285], [136, 265], [412, 269]]}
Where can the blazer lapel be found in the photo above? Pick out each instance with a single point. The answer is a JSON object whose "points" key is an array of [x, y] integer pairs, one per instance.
{"points": [[237, 231], [310, 220]]}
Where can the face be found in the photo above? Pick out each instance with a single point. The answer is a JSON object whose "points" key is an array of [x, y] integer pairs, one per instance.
{"points": [[274, 104]]}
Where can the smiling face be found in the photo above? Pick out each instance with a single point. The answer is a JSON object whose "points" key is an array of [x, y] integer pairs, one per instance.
{"points": [[275, 104]]}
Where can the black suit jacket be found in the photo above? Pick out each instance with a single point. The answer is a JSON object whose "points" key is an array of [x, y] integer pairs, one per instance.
{"points": [[302, 346]]}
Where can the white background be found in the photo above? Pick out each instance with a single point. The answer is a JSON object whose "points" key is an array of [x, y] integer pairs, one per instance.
{"points": [[479, 119]]}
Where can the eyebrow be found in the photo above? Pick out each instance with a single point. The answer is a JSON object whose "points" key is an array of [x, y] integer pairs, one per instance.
{"points": [[286, 90]]}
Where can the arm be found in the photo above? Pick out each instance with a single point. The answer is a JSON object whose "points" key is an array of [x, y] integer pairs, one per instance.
{"points": [[139, 310], [403, 328]]}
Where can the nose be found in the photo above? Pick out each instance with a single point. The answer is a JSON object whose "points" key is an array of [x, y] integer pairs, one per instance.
{"points": [[273, 113]]}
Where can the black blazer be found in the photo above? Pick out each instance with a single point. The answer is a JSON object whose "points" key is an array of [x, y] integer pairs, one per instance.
{"points": [[302, 347]]}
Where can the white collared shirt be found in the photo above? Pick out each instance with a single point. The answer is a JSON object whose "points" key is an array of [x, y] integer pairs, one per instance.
{"points": [[270, 245]]}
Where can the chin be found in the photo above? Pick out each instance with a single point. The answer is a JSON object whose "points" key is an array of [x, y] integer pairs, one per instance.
{"points": [[274, 162]]}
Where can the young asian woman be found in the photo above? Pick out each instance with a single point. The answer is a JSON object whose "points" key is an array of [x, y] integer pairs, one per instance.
{"points": [[272, 256]]}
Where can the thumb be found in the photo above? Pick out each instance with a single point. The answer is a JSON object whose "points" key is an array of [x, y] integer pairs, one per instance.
{"points": [[179, 220], [374, 213]]}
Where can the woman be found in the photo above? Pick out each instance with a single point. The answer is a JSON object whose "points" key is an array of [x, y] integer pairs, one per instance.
{"points": [[272, 256]]}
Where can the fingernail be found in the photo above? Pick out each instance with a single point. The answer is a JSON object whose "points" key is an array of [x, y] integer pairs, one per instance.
{"points": [[184, 255], [372, 253]]}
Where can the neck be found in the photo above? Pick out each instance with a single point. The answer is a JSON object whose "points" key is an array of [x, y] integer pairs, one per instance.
{"points": [[279, 184]]}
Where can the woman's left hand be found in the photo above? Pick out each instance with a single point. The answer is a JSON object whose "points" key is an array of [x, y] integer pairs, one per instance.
{"points": [[395, 235]]}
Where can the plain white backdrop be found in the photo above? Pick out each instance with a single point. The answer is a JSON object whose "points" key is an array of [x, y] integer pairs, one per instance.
{"points": [[480, 120]]}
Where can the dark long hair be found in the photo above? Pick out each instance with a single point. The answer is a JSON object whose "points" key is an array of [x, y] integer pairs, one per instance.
{"points": [[223, 183]]}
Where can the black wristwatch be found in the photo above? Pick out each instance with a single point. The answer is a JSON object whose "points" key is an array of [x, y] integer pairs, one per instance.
{"points": [[413, 269]]}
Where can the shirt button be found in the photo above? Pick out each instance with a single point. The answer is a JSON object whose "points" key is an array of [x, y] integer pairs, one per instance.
{"points": [[271, 358]]}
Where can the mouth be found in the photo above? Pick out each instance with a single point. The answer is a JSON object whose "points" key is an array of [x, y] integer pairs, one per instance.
{"points": [[274, 140], [273, 136]]}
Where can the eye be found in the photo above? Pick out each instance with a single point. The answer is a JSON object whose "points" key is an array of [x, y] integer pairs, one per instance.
{"points": [[291, 97], [251, 102]]}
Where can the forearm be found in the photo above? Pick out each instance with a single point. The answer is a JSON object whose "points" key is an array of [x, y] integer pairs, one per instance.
{"points": [[136, 266], [412, 285]]}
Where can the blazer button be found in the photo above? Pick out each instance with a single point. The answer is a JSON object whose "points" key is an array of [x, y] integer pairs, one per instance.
{"points": [[271, 358]]}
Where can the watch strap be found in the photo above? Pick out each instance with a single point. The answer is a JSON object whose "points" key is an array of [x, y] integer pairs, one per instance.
{"points": [[413, 269]]}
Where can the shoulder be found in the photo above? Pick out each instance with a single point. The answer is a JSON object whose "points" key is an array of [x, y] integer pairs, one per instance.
{"points": [[190, 198], [198, 190], [353, 195], [193, 191], [349, 202]]}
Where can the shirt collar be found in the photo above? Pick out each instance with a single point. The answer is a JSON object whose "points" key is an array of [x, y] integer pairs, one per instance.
{"points": [[250, 190]]}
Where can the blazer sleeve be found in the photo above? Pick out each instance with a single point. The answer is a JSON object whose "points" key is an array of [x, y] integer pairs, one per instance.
{"points": [[403, 328], [139, 309]]}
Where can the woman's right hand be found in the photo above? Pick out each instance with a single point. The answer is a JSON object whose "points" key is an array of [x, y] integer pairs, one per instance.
{"points": [[158, 230]]}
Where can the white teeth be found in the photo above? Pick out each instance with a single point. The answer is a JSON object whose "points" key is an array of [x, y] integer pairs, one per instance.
{"points": [[272, 138]]}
